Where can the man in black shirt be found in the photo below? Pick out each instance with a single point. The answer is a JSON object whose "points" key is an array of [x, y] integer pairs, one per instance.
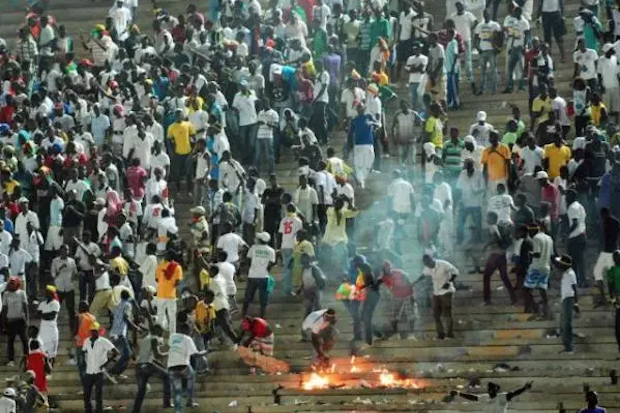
{"points": [[610, 226], [72, 218]]}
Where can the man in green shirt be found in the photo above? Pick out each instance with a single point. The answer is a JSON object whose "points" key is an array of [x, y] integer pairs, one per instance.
{"points": [[380, 27], [452, 155]]}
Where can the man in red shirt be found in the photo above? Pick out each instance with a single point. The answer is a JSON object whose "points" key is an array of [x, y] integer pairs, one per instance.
{"points": [[136, 179], [551, 194], [404, 307]]}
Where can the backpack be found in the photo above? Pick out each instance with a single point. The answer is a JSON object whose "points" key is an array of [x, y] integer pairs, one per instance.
{"points": [[505, 235]]}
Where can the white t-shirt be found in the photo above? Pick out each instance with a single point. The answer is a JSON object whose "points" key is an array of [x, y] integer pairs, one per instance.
{"points": [[400, 192], [245, 106], [502, 205], [587, 63], [217, 284], [576, 211], [569, 278], [497, 404], [420, 60], [609, 71], [463, 23], [322, 79], [182, 348], [487, 32], [227, 272], [350, 99], [288, 228], [559, 106], [261, 256], [440, 275], [102, 282], [7, 405], [532, 158], [405, 22], [516, 29], [46, 307], [314, 322], [231, 243], [96, 354]]}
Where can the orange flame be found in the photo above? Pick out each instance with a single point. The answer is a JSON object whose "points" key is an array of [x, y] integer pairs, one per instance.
{"points": [[354, 368], [316, 381]]}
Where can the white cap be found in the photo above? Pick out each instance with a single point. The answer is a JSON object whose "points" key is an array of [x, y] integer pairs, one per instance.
{"points": [[481, 116], [469, 139], [263, 236], [542, 175], [198, 210], [23, 200], [607, 47], [9, 392]]}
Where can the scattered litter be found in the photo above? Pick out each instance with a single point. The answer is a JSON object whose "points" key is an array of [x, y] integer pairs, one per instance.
{"points": [[233, 403], [278, 325], [504, 367], [359, 400]]}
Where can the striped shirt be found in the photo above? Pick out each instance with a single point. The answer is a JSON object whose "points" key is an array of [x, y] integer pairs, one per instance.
{"points": [[452, 152]]}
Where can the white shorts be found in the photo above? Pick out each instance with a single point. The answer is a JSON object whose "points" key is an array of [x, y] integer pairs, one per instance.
{"points": [[54, 239], [611, 99], [604, 262]]}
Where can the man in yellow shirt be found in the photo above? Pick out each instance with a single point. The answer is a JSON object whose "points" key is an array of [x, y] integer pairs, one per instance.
{"points": [[541, 106], [434, 128], [180, 134], [556, 155], [168, 275], [495, 161]]}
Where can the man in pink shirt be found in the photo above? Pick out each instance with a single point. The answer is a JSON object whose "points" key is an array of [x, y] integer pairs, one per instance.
{"points": [[136, 179], [551, 194]]}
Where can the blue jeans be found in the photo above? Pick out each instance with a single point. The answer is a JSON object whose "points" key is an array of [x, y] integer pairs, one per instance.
{"points": [[468, 65], [144, 372], [452, 97], [488, 57], [263, 155], [247, 138], [287, 256], [181, 382], [121, 364], [515, 57], [416, 100], [476, 214]]}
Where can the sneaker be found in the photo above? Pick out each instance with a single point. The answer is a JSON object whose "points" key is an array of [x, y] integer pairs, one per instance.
{"points": [[72, 362], [568, 352], [192, 404], [411, 337], [10, 364]]}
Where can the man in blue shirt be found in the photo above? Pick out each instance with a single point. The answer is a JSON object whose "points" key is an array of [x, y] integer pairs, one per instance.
{"points": [[361, 132], [121, 319]]}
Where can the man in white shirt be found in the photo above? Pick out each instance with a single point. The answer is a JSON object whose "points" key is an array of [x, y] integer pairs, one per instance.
{"points": [[558, 106], [442, 275], [86, 253], [318, 328], [268, 121], [121, 19], [97, 352], [416, 66], [289, 225], [7, 401], [486, 34], [608, 71], [182, 375], [350, 98], [231, 243], [568, 294], [532, 155], [64, 272], [25, 215], [576, 246], [584, 60], [321, 100], [221, 304], [262, 258], [465, 22], [516, 28], [400, 195], [403, 35], [244, 103], [471, 184]]}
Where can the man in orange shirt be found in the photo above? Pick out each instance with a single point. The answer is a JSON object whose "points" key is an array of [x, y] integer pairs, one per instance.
{"points": [[85, 320], [168, 275], [496, 162]]}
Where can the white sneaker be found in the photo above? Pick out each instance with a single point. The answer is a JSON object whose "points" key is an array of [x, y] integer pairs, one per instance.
{"points": [[10, 364]]}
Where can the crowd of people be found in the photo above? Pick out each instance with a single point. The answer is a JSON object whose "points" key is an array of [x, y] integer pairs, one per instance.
{"points": [[95, 151]]}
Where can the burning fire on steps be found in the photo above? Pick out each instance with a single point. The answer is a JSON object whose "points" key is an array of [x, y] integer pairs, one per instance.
{"points": [[353, 374]]}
